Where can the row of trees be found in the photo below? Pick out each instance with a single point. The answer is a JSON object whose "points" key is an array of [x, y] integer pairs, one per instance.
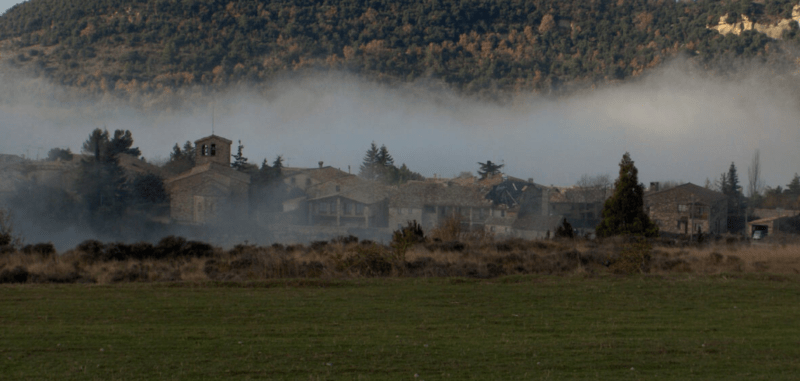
{"points": [[740, 206], [378, 165]]}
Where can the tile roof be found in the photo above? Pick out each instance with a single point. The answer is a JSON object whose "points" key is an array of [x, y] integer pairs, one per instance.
{"points": [[212, 136], [703, 194], [319, 174], [417, 194], [211, 167], [351, 187]]}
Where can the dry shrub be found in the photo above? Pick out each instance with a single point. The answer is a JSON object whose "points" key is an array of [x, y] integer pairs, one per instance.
{"points": [[370, 261], [177, 259], [18, 274], [448, 230], [634, 257]]}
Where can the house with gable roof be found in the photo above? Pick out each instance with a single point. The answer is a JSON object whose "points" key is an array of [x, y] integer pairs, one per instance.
{"points": [[687, 209], [348, 201]]}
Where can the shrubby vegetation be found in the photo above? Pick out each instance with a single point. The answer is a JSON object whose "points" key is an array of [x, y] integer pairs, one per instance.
{"points": [[410, 254], [478, 47]]}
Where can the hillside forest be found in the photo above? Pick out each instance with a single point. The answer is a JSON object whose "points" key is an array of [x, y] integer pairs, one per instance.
{"points": [[483, 47]]}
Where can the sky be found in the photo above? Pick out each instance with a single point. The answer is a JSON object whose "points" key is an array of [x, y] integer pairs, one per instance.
{"points": [[5, 4], [679, 123]]}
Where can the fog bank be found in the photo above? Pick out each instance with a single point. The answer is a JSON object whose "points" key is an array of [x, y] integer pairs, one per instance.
{"points": [[678, 123]]}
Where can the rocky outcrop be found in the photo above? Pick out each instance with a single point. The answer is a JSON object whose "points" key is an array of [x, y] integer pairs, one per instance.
{"points": [[774, 30]]}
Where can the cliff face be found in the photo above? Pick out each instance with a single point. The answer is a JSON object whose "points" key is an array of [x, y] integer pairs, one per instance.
{"points": [[772, 30]]}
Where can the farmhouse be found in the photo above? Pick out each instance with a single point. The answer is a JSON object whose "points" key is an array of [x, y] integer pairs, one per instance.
{"points": [[210, 191], [430, 203], [687, 209], [305, 178], [348, 201]]}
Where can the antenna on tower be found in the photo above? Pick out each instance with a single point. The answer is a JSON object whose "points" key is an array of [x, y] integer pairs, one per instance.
{"points": [[213, 111]]}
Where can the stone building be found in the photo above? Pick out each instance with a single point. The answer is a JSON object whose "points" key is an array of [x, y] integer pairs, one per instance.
{"points": [[688, 206], [305, 178], [348, 201], [212, 191], [430, 203]]}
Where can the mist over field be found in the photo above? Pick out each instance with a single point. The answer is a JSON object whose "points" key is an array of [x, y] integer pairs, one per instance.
{"points": [[678, 122]]}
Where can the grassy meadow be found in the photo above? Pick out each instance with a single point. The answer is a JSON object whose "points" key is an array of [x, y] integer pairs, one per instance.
{"points": [[514, 327]]}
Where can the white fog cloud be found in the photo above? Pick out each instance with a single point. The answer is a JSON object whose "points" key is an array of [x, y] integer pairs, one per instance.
{"points": [[678, 122]]}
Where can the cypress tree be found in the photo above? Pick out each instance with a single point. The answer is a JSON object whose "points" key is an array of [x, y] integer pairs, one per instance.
{"points": [[623, 213]]}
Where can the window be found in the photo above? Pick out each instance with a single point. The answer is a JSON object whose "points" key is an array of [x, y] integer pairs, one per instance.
{"points": [[338, 188], [430, 209], [293, 180], [351, 208], [204, 150], [213, 150], [683, 208], [359, 208]]}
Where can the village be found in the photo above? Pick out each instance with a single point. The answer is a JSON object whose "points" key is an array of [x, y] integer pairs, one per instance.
{"points": [[320, 203]]}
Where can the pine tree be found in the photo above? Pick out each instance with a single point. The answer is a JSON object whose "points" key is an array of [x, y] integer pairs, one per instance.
{"points": [[489, 169], [733, 189], [793, 188], [277, 165], [623, 213], [239, 161], [384, 159], [101, 182], [176, 153], [188, 151], [369, 167]]}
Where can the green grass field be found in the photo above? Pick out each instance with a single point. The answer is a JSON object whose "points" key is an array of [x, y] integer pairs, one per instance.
{"points": [[529, 328]]}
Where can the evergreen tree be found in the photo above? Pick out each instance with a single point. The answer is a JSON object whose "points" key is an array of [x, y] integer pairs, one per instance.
{"points": [[489, 169], [793, 188], [733, 190], [239, 161], [384, 159], [369, 167], [277, 165], [176, 153], [189, 152], [623, 213], [101, 181], [149, 189]]}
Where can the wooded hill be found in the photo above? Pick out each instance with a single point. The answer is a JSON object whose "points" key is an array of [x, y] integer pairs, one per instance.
{"points": [[475, 46]]}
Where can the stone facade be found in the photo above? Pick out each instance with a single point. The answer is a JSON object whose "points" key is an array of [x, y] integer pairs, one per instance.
{"points": [[212, 191], [430, 203], [677, 210], [348, 201]]}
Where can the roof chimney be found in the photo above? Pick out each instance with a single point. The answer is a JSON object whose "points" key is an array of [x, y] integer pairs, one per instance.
{"points": [[530, 179], [654, 186], [320, 163]]}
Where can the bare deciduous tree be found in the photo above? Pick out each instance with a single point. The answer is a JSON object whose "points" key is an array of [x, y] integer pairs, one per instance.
{"points": [[755, 184], [591, 191]]}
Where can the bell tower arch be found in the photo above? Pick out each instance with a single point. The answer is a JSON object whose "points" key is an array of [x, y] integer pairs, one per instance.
{"points": [[213, 149]]}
